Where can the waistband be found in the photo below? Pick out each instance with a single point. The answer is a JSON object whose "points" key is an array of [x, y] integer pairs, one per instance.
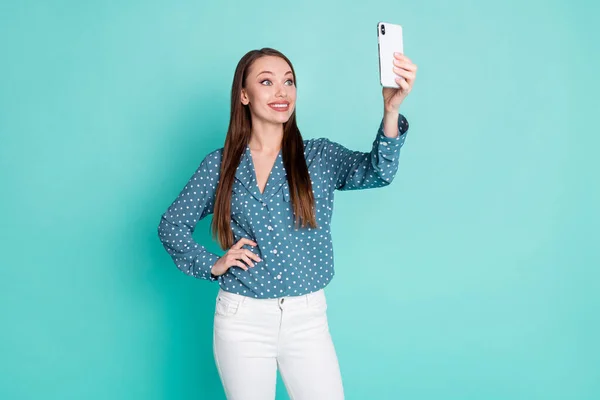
{"points": [[302, 299]]}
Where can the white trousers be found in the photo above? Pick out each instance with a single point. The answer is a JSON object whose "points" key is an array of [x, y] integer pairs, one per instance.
{"points": [[252, 338]]}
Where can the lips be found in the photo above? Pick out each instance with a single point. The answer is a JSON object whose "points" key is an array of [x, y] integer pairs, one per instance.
{"points": [[280, 106]]}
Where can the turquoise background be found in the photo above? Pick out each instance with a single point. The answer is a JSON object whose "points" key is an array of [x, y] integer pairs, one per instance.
{"points": [[473, 276]]}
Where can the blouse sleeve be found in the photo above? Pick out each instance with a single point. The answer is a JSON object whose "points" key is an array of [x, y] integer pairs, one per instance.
{"points": [[177, 224], [353, 170]]}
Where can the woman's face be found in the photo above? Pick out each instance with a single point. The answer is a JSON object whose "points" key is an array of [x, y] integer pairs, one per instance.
{"points": [[265, 90]]}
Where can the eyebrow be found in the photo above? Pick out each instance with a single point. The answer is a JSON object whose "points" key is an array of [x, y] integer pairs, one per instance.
{"points": [[269, 72]]}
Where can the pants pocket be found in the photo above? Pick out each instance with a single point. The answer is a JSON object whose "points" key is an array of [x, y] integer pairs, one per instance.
{"points": [[317, 302], [226, 307]]}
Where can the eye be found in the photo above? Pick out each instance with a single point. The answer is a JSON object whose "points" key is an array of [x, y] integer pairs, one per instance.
{"points": [[267, 80]]}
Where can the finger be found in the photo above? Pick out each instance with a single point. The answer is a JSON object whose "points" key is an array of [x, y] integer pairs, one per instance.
{"points": [[253, 256], [241, 265], [233, 261], [234, 256], [242, 242], [239, 254], [400, 81], [408, 68], [247, 260], [403, 84], [406, 65], [405, 74], [402, 57]]}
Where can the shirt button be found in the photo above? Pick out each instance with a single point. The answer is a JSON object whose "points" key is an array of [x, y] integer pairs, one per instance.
{"points": [[274, 251], [270, 227], [264, 204], [279, 276]]}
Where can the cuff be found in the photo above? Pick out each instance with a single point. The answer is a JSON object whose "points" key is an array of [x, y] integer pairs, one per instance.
{"points": [[397, 142], [207, 261]]}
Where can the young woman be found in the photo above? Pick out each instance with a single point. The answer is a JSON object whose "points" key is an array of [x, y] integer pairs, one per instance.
{"points": [[271, 196]]}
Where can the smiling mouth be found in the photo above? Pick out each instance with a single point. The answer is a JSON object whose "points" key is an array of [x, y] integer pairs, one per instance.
{"points": [[279, 106]]}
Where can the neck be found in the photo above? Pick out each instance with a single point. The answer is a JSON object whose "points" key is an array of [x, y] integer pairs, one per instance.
{"points": [[266, 137]]}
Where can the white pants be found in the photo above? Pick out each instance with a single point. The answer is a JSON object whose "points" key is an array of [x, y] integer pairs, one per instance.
{"points": [[253, 337]]}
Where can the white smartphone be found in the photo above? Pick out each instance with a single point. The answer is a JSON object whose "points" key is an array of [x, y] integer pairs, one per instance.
{"points": [[389, 41]]}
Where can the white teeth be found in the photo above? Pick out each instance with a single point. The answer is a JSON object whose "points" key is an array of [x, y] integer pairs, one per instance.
{"points": [[279, 105]]}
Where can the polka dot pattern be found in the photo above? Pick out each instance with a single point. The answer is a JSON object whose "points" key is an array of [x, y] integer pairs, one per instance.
{"points": [[295, 261]]}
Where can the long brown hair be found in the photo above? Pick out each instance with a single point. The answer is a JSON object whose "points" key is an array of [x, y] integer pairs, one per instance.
{"points": [[238, 137]]}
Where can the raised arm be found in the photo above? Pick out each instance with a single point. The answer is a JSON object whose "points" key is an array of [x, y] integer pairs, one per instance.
{"points": [[353, 170]]}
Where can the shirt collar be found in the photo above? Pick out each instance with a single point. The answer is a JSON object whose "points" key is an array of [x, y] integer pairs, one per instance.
{"points": [[246, 174]]}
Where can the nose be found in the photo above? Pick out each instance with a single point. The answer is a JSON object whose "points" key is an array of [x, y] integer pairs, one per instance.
{"points": [[281, 92]]}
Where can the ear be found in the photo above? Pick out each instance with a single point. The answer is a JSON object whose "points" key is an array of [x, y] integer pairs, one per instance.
{"points": [[244, 97]]}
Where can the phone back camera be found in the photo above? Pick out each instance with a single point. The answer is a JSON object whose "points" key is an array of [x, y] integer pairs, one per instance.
{"points": [[383, 29]]}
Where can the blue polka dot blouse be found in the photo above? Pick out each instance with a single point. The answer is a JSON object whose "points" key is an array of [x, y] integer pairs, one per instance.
{"points": [[294, 261]]}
